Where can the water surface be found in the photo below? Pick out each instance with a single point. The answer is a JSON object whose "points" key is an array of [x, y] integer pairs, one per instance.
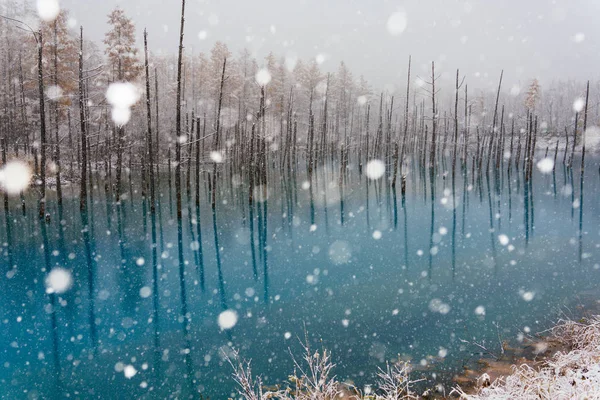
{"points": [[349, 264]]}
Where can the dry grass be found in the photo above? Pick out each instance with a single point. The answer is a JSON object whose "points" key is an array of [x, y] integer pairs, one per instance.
{"points": [[314, 380], [570, 374]]}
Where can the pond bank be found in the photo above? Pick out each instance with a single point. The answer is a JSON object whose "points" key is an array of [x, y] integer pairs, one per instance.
{"points": [[563, 365], [562, 362]]}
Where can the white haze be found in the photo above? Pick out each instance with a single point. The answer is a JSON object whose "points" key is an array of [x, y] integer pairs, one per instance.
{"points": [[546, 39]]}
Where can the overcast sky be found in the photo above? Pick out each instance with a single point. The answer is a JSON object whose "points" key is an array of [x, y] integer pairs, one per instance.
{"points": [[533, 38]]}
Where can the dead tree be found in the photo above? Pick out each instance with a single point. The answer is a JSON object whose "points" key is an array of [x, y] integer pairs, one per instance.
{"points": [[150, 151], [42, 201], [83, 183]]}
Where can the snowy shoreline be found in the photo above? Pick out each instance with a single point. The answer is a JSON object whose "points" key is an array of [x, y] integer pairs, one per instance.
{"points": [[564, 363], [569, 367]]}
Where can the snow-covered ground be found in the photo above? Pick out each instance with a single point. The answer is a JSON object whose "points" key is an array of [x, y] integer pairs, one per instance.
{"points": [[572, 373]]}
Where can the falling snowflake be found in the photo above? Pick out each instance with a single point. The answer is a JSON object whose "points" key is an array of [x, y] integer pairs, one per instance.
{"points": [[120, 116], [527, 296], [545, 166], [320, 58], [145, 292], [227, 319], [375, 169], [122, 96], [48, 10], [263, 77], [59, 280], [216, 157], [15, 177], [578, 104], [54, 92], [437, 305], [340, 252], [396, 23], [129, 371]]}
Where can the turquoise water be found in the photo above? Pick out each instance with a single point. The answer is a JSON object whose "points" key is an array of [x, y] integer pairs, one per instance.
{"points": [[357, 268]]}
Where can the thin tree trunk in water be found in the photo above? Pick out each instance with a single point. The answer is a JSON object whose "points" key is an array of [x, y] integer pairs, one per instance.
{"points": [[6, 207], [170, 181], [500, 144], [493, 133], [434, 118], [149, 132], [574, 140], [566, 146], [587, 95], [197, 177], [71, 149], [157, 125], [403, 151], [188, 177], [23, 110], [83, 187], [466, 134], [178, 170], [42, 201], [56, 112], [216, 141], [455, 130], [119, 173], [311, 134]]}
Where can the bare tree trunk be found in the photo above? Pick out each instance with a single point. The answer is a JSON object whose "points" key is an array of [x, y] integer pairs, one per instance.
{"points": [[56, 120], [311, 134], [178, 118], [156, 155], [83, 187], [434, 118], [574, 140], [23, 110], [119, 172], [493, 133], [216, 141], [455, 128], [403, 152], [42, 201], [580, 230], [150, 151]]}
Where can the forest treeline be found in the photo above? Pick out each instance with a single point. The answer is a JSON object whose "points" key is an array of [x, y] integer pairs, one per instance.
{"points": [[246, 113]]}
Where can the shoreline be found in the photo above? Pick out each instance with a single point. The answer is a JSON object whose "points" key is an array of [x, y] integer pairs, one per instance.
{"points": [[567, 339], [561, 362]]}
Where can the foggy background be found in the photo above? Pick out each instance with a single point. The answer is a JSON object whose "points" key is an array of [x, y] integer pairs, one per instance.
{"points": [[548, 40]]}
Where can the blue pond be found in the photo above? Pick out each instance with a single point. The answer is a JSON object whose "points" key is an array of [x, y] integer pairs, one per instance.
{"points": [[370, 272]]}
